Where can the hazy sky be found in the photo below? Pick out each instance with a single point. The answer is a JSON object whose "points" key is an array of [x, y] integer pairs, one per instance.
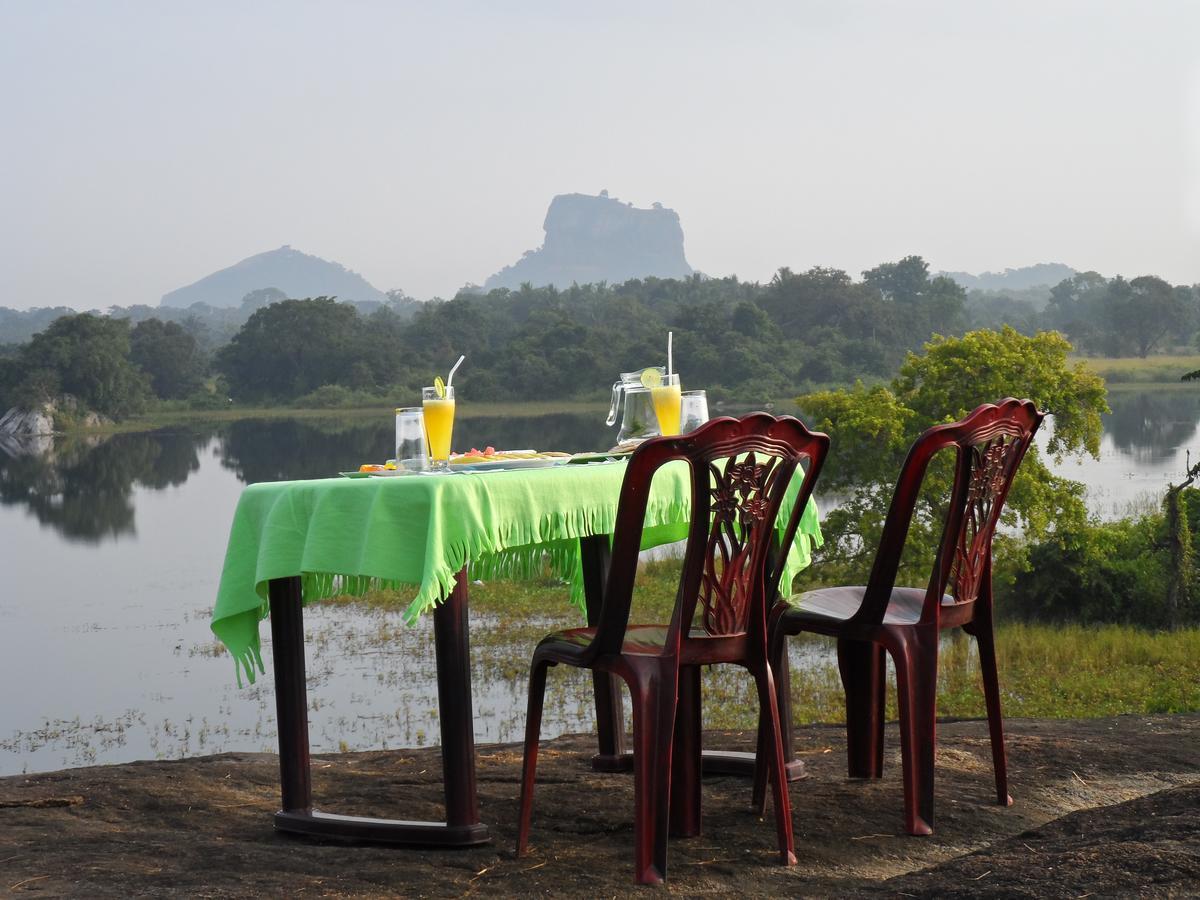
{"points": [[144, 145]]}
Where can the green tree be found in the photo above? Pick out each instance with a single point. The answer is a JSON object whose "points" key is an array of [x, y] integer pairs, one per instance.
{"points": [[290, 348], [87, 357], [872, 429], [169, 356], [1154, 311]]}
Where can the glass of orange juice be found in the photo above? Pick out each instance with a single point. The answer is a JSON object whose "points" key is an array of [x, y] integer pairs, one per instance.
{"points": [[438, 402], [665, 398]]}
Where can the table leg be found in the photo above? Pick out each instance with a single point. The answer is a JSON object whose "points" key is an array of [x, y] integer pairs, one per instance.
{"points": [[732, 762], [462, 827], [291, 700], [596, 553], [451, 641]]}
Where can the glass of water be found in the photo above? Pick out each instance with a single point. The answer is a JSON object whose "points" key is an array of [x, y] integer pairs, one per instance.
{"points": [[411, 453], [693, 410]]}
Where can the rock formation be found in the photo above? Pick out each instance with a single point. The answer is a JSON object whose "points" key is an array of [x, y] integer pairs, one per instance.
{"points": [[590, 239], [294, 273]]}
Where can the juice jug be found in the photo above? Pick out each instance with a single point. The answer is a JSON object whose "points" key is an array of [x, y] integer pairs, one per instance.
{"points": [[638, 421]]}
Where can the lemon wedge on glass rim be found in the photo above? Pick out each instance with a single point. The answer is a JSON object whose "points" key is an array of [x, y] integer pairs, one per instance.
{"points": [[439, 386], [651, 378]]}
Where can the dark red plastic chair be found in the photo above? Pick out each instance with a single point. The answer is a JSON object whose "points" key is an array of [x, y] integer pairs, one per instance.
{"points": [[989, 445], [740, 470]]}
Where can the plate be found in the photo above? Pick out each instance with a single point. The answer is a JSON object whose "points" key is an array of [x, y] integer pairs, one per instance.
{"points": [[615, 456], [501, 464]]}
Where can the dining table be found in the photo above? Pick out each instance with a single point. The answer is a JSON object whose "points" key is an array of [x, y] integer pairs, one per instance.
{"points": [[295, 542]]}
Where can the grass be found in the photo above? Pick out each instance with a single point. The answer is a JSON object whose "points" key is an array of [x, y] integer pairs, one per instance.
{"points": [[1045, 670], [1165, 369]]}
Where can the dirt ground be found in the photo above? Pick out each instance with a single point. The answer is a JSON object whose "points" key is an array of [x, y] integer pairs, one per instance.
{"points": [[1104, 807]]}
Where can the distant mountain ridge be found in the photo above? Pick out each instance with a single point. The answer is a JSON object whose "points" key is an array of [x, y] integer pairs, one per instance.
{"points": [[1038, 275], [294, 273], [599, 238]]}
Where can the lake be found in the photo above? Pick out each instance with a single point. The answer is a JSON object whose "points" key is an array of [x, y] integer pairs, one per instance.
{"points": [[112, 549]]}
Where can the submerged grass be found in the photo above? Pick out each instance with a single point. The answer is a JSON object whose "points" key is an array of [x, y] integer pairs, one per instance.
{"points": [[1045, 670]]}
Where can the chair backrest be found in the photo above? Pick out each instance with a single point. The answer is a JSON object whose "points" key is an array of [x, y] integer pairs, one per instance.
{"points": [[740, 470], [989, 445]]}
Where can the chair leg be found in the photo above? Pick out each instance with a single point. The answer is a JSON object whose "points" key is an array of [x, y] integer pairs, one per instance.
{"points": [[991, 692], [533, 730], [776, 654], [915, 656], [686, 757], [653, 688], [863, 677], [758, 797], [773, 762]]}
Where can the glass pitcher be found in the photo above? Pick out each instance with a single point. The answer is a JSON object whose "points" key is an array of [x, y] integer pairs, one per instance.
{"points": [[638, 421]]}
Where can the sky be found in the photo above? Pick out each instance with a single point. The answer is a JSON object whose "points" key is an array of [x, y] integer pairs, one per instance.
{"points": [[144, 145]]}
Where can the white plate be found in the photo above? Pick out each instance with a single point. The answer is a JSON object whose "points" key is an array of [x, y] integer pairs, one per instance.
{"points": [[500, 464]]}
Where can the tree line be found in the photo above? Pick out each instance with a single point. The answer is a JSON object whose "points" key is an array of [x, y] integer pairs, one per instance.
{"points": [[740, 340]]}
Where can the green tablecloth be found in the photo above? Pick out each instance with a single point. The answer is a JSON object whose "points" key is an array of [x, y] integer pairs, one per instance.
{"points": [[348, 535]]}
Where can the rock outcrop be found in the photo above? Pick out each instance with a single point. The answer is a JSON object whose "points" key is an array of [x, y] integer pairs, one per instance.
{"points": [[294, 273], [27, 422], [20, 423], [591, 239]]}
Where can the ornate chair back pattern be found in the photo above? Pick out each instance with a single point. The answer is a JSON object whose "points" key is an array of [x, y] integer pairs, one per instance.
{"points": [[992, 466], [740, 473], [744, 505]]}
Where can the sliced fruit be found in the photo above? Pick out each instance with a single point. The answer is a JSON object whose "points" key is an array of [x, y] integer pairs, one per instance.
{"points": [[651, 378], [439, 386]]}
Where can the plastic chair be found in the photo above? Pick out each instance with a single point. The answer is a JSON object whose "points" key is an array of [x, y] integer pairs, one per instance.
{"points": [[989, 445], [740, 470]]}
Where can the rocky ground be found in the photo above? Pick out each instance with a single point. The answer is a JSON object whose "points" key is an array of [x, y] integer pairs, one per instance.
{"points": [[1103, 807]]}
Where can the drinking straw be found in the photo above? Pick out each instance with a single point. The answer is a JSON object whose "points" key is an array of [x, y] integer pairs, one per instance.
{"points": [[670, 335], [450, 377]]}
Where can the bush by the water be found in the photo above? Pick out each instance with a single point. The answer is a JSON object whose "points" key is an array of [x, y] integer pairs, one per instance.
{"points": [[1110, 572]]}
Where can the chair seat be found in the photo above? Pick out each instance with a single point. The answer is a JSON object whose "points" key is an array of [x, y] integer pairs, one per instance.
{"points": [[638, 638], [836, 604]]}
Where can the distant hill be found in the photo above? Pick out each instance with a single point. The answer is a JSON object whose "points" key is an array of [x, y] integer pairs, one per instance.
{"points": [[1039, 275], [591, 239], [294, 273]]}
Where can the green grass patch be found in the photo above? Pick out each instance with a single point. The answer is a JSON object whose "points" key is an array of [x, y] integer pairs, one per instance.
{"points": [[1135, 370], [1045, 670]]}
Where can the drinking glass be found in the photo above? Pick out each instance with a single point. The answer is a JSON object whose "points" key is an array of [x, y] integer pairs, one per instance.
{"points": [[439, 425], [411, 452], [693, 410], [665, 398]]}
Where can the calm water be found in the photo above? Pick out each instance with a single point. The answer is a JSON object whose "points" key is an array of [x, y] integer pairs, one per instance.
{"points": [[112, 549]]}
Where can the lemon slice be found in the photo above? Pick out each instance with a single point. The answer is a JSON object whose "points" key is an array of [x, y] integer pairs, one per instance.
{"points": [[439, 386], [651, 378]]}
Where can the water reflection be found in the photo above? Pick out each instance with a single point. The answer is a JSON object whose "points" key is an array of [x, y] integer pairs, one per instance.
{"points": [[284, 449], [82, 488], [1150, 425], [289, 449]]}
